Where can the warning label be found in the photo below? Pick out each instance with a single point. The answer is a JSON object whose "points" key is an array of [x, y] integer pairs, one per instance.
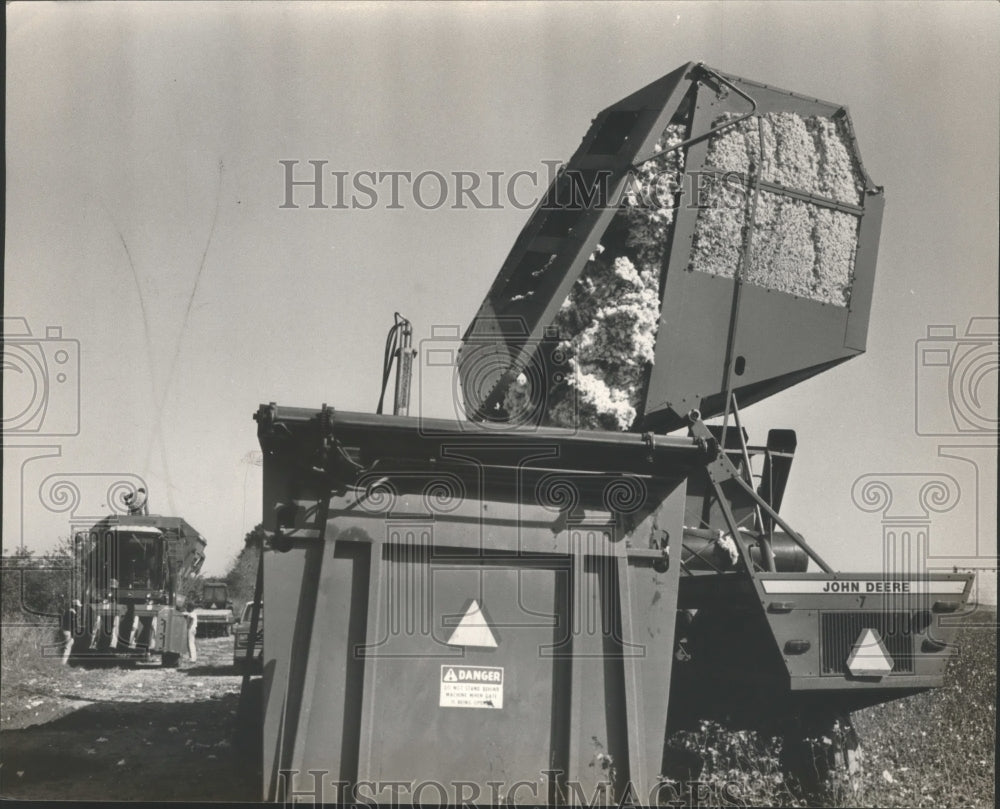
{"points": [[471, 687]]}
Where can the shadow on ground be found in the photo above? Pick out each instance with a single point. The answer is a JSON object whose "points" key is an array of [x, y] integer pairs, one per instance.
{"points": [[148, 751], [211, 671]]}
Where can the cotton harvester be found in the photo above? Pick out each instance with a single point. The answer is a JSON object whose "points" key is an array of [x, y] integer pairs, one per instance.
{"points": [[130, 568], [508, 605]]}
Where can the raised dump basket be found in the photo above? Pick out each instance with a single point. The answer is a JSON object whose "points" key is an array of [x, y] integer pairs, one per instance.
{"points": [[729, 228]]}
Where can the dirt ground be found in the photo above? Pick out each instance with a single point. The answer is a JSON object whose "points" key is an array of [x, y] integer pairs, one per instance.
{"points": [[98, 733]]}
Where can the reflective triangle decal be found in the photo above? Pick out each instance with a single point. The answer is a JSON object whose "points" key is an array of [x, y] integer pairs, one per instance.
{"points": [[473, 630], [869, 657]]}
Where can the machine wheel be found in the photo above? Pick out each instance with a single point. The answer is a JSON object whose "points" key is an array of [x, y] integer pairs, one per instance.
{"points": [[171, 660], [823, 756]]}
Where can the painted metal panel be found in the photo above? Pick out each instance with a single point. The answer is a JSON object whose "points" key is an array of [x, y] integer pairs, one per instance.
{"points": [[781, 337], [365, 593], [832, 612]]}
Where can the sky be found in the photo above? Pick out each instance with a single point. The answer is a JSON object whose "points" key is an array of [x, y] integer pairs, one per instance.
{"points": [[160, 290]]}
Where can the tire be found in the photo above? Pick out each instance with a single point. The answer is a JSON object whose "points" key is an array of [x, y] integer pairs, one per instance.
{"points": [[823, 756]]}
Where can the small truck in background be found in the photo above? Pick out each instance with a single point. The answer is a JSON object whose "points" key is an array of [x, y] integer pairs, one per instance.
{"points": [[214, 610], [241, 641]]}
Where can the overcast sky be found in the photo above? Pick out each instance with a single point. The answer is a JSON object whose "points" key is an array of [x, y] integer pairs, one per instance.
{"points": [[144, 219]]}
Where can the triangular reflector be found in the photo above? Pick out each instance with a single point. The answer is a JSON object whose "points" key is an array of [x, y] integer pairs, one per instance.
{"points": [[869, 657], [473, 630]]}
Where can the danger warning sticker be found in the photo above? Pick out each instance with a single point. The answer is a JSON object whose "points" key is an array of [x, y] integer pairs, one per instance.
{"points": [[471, 687]]}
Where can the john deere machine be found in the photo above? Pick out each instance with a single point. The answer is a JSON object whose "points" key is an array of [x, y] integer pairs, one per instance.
{"points": [[130, 568], [510, 604]]}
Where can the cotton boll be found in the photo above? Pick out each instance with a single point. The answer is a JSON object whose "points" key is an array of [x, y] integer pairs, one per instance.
{"points": [[793, 161], [797, 247], [609, 321], [610, 403], [719, 232], [730, 150], [809, 154], [518, 401], [782, 252], [836, 245], [649, 202], [838, 178]]}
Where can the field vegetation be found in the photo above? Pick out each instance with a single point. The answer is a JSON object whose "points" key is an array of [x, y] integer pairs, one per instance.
{"points": [[934, 749], [938, 749]]}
